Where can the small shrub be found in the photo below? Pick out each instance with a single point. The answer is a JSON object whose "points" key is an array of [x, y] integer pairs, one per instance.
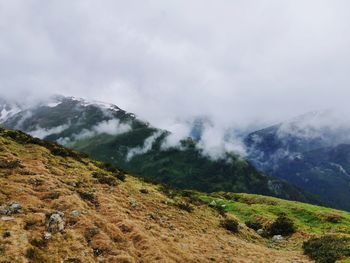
{"points": [[231, 225], [144, 191], [185, 206], [39, 242], [72, 260], [221, 209], [283, 226], [255, 225], [168, 191], [52, 195], [103, 178], [89, 197], [29, 224], [90, 233], [4, 164], [120, 175], [332, 218], [2, 250], [327, 249], [35, 255], [6, 234]]}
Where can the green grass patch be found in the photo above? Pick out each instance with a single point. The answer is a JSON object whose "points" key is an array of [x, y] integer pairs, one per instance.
{"points": [[308, 218]]}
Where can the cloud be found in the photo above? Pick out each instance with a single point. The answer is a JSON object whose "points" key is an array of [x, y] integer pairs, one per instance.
{"points": [[146, 147], [42, 133], [110, 127], [243, 64]]}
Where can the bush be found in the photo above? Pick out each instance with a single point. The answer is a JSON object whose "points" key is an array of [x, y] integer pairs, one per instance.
{"points": [[90, 233], [327, 249], [103, 178], [332, 218], [255, 225], [10, 164], [283, 226], [185, 206], [35, 255], [120, 175], [89, 197], [231, 225]]}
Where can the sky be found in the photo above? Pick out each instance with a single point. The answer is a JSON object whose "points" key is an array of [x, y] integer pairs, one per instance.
{"points": [[241, 63]]}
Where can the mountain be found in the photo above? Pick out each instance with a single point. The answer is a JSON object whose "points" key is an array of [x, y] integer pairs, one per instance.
{"points": [[7, 109], [310, 152], [57, 205], [112, 135]]}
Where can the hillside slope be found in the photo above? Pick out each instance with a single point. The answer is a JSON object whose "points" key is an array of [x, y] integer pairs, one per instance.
{"points": [[55, 210]]}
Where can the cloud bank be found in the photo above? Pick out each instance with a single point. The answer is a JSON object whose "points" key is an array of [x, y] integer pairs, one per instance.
{"points": [[243, 64]]}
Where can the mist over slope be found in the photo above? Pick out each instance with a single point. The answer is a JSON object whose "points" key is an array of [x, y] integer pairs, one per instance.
{"points": [[305, 151], [310, 151], [112, 135]]}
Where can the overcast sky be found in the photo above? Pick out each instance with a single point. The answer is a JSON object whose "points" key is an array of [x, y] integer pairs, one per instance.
{"points": [[237, 61]]}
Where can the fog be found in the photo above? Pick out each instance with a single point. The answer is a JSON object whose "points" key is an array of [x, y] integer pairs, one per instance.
{"points": [[242, 64]]}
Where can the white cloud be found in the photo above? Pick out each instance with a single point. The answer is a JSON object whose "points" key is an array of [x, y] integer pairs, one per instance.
{"points": [[241, 63], [110, 127], [146, 147], [42, 133]]}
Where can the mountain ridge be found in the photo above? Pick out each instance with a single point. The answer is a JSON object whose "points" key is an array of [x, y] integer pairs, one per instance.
{"points": [[184, 167]]}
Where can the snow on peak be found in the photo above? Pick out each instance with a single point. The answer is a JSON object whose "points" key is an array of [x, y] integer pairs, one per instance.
{"points": [[7, 111]]}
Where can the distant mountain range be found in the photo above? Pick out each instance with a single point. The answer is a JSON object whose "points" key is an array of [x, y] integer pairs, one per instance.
{"points": [[311, 151], [110, 134]]}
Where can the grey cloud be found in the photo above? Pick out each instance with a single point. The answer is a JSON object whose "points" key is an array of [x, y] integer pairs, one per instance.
{"points": [[241, 63]]}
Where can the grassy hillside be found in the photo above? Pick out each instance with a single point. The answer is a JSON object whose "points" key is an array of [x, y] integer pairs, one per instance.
{"points": [[56, 205], [187, 168]]}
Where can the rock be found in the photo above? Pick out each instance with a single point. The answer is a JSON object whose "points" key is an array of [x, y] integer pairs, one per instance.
{"points": [[55, 222], [14, 208], [47, 236], [260, 231], [212, 203], [277, 238], [7, 218], [75, 213], [134, 203]]}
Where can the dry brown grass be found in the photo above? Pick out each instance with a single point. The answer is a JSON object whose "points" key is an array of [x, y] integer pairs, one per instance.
{"points": [[126, 226]]}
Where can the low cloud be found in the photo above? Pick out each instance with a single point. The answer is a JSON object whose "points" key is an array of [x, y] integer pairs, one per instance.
{"points": [[42, 133], [110, 127], [146, 147]]}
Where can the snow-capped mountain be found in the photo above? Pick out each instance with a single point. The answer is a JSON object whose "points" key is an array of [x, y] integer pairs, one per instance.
{"points": [[7, 110]]}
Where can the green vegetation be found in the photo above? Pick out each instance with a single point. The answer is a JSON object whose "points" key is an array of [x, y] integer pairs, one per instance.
{"points": [[327, 249], [231, 225], [104, 178], [253, 224], [185, 168], [307, 218], [283, 226]]}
